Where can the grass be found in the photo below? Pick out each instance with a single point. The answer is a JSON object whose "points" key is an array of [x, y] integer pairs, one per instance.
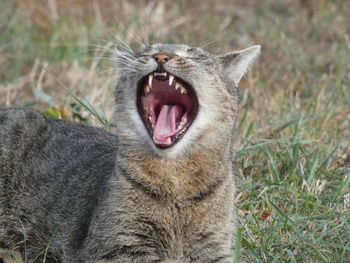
{"points": [[293, 145]]}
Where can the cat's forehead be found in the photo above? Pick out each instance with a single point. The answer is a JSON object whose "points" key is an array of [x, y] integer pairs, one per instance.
{"points": [[171, 47], [178, 49]]}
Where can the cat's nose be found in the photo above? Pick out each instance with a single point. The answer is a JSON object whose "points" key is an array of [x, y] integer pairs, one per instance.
{"points": [[162, 57]]}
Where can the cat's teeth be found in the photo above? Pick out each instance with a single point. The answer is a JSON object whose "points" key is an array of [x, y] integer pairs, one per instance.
{"points": [[182, 131], [182, 123], [151, 120], [147, 89], [150, 78], [163, 74], [171, 78], [168, 141], [182, 89], [180, 126]]}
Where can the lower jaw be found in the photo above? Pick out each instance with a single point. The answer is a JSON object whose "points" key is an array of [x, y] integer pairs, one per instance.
{"points": [[166, 143]]}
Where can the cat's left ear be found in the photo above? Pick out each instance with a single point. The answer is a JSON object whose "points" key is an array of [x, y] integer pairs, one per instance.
{"points": [[236, 64]]}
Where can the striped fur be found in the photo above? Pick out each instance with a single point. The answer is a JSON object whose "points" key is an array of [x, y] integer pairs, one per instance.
{"points": [[72, 193]]}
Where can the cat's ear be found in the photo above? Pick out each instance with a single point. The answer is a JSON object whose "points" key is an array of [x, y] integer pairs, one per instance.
{"points": [[236, 64]]}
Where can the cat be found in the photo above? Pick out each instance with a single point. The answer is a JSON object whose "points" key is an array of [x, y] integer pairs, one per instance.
{"points": [[161, 189]]}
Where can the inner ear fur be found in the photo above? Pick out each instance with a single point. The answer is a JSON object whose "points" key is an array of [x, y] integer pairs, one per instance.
{"points": [[235, 64]]}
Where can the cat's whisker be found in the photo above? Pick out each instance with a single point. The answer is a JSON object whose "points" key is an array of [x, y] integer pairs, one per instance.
{"points": [[209, 42], [124, 44]]}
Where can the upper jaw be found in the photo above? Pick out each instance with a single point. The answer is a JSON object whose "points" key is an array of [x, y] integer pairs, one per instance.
{"points": [[167, 106], [166, 76]]}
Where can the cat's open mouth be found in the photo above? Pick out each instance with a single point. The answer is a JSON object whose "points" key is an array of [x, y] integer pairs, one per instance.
{"points": [[167, 105]]}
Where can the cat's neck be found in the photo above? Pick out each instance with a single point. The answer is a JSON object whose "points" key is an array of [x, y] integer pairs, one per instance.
{"points": [[183, 178]]}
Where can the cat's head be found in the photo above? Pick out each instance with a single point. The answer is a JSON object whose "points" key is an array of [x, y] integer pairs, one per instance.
{"points": [[174, 100]]}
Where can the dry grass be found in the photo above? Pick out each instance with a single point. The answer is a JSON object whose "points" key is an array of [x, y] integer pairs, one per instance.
{"points": [[293, 147]]}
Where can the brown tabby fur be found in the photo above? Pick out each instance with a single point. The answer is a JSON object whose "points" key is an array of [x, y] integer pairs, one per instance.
{"points": [[105, 198]]}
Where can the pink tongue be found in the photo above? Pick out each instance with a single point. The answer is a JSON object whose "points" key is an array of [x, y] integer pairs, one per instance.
{"points": [[166, 122]]}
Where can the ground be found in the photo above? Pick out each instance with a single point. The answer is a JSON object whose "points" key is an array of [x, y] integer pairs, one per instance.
{"points": [[293, 143]]}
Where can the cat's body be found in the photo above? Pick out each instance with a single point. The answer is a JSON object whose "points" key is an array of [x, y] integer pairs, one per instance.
{"points": [[90, 196], [52, 179]]}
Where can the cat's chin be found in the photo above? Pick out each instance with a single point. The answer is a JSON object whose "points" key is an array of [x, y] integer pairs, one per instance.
{"points": [[167, 105]]}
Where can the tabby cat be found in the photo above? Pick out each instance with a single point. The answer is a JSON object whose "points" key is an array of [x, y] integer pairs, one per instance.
{"points": [[161, 189]]}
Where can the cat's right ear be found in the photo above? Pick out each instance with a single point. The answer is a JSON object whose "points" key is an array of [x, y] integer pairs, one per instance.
{"points": [[236, 64]]}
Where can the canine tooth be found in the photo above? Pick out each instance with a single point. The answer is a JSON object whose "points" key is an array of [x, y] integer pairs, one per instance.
{"points": [[150, 78], [171, 78], [168, 141], [183, 90], [147, 89], [177, 85]]}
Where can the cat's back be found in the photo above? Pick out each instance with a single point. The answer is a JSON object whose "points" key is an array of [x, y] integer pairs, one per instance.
{"points": [[26, 134], [22, 131], [51, 172], [35, 150]]}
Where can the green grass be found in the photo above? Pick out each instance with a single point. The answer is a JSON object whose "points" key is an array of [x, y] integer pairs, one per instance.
{"points": [[293, 144]]}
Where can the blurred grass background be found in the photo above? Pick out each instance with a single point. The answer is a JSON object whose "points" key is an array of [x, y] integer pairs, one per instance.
{"points": [[293, 145]]}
